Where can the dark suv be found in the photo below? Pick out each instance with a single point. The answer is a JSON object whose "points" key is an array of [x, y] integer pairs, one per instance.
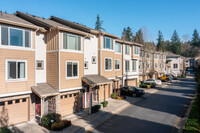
{"points": [[132, 91]]}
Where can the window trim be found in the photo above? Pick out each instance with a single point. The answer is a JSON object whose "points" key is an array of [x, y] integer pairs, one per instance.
{"points": [[129, 49], [16, 47], [73, 77], [15, 80], [111, 40], [136, 47], [125, 66], [119, 64], [72, 50], [105, 64], [120, 48], [39, 68], [175, 64]]}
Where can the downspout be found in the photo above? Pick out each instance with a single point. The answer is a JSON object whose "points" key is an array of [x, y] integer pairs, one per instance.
{"points": [[123, 63], [58, 60]]}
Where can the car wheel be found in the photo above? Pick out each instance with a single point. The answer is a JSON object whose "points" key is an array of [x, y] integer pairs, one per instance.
{"points": [[134, 95]]}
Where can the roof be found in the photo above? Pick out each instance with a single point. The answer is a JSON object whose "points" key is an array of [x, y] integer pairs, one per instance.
{"points": [[95, 79], [15, 20], [171, 55], [44, 90], [128, 42]]}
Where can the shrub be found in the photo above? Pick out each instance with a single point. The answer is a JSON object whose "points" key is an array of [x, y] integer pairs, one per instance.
{"points": [[119, 98], [95, 108], [48, 119], [152, 85], [105, 103], [145, 86], [114, 95], [57, 126], [5, 130]]}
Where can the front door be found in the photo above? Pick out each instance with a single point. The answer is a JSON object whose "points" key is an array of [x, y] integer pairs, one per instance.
{"points": [[37, 106]]}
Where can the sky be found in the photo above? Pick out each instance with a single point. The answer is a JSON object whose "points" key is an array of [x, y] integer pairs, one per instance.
{"points": [[152, 15]]}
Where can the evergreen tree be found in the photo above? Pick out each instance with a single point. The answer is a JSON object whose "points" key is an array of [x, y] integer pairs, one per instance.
{"points": [[139, 37], [160, 44], [175, 43], [127, 34], [195, 39], [167, 45], [99, 24]]}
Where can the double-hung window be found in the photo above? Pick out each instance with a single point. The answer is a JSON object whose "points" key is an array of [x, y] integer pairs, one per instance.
{"points": [[136, 49], [117, 64], [71, 42], [107, 43], [117, 47], [15, 37], [156, 65], [108, 64], [72, 69], [16, 70], [155, 56], [175, 66], [127, 65], [127, 49], [134, 64]]}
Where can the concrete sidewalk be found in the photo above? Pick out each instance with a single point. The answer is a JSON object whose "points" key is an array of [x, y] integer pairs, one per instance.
{"points": [[82, 122]]}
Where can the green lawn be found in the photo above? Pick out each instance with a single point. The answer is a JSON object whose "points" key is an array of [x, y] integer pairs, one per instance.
{"points": [[193, 122]]}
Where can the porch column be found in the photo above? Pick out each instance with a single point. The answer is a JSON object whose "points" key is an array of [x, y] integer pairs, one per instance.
{"points": [[90, 89], [98, 94]]}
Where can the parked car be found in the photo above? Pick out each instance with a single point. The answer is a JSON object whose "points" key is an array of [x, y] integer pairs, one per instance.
{"points": [[132, 91], [156, 81], [164, 78]]}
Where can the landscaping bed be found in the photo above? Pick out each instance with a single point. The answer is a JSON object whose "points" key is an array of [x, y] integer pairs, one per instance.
{"points": [[5, 130], [53, 122]]}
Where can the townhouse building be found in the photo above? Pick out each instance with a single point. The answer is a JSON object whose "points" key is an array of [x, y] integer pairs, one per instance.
{"points": [[159, 64], [57, 66], [18, 47]]}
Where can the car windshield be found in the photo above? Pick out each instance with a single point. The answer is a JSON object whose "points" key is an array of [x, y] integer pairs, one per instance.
{"points": [[130, 87]]}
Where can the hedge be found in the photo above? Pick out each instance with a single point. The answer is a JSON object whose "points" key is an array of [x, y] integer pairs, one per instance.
{"points": [[105, 103]]}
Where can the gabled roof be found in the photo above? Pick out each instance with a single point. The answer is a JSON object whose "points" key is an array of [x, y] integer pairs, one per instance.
{"points": [[95, 79], [171, 55], [17, 21], [44, 90], [128, 42]]}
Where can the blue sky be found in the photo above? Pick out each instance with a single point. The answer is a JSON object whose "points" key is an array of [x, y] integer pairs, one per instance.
{"points": [[154, 15]]}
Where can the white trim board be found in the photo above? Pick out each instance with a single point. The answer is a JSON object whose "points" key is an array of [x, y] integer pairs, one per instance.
{"points": [[14, 94], [70, 89]]}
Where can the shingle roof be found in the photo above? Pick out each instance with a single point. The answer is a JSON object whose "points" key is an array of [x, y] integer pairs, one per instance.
{"points": [[95, 79], [14, 18], [44, 89], [169, 54]]}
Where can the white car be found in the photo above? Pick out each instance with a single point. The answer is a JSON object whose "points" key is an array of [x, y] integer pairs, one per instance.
{"points": [[156, 81]]}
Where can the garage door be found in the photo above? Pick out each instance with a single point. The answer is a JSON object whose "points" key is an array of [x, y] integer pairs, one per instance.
{"points": [[14, 111], [69, 104], [132, 82]]}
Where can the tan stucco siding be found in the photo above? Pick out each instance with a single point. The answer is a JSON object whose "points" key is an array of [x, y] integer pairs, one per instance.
{"points": [[52, 40], [119, 72], [18, 86], [110, 73], [52, 69], [69, 56]]}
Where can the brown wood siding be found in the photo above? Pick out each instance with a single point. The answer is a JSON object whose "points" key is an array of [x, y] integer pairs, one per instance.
{"points": [[52, 40], [11, 87], [69, 56], [52, 69], [119, 72], [108, 54]]}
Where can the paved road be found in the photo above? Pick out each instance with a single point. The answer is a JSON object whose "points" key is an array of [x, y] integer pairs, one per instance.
{"points": [[155, 114]]}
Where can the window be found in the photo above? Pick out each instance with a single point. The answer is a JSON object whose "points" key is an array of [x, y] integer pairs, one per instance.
{"points": [[134, 64], [2, 103], [176, 66], [61, 97], [147, 65], [136, 49], [71, 42], [94, 60], [86, 65], [141, 54], [117, 47], [17, 101], [24, 100], [65, 96], [127, 65], [16, 70], [155, 56], [10, 102], [108, 64], [117, 64], [127, 49], [74, 94], [147, 55], [156, 65], [39, 65], [70, 95], [72, 69], [107, 43], [15, 37]]}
